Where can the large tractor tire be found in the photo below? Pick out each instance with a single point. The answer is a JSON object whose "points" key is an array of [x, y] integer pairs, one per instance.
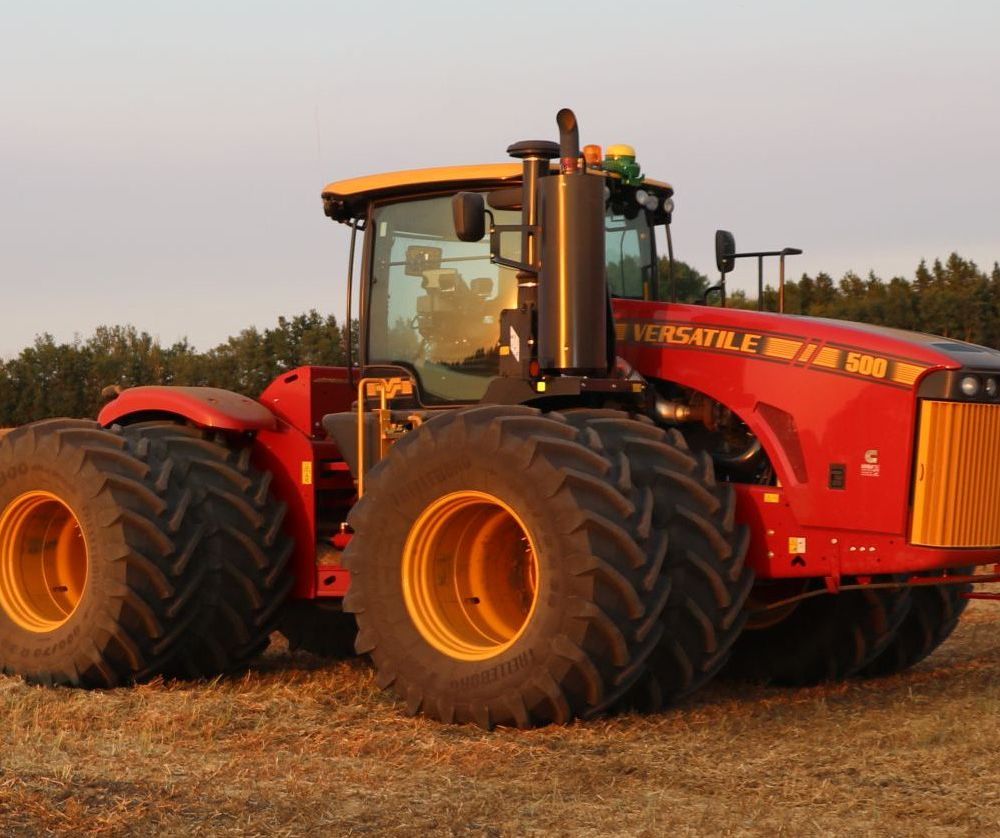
{"points": [[934, 613], [98, 583], [705, 560], [828, 637], [500, 575], [320, 628], [244, 545]]}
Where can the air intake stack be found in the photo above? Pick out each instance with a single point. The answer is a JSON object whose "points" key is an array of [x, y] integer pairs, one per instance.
{"points": [[572, 289]]}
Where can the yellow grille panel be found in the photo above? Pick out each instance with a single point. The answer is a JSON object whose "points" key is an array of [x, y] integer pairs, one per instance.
{"points": [[956, 499]]}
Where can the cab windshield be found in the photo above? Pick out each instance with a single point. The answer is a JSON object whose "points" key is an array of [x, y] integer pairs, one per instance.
{"points": [[435, 301]]}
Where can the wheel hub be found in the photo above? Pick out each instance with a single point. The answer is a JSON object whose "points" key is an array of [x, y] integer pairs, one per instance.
{"points": [[470, 575], [43, 562]]}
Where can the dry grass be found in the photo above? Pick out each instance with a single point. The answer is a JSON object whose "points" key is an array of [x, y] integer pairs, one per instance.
{"points": [[304, 747]]}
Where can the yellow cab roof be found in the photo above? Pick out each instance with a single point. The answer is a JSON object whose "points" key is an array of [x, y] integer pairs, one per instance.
{"points": [[391, 182], [360, 190]]}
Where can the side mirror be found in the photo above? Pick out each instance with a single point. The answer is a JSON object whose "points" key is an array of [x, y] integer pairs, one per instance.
{"points": [[725, 251], [469, 211]]}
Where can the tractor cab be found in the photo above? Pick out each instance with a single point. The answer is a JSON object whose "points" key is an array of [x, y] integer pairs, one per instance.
{"points": [[434, 304]]}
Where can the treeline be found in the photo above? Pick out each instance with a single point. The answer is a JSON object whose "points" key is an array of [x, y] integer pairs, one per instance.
{"points": [[954, 298], [66, 379]]}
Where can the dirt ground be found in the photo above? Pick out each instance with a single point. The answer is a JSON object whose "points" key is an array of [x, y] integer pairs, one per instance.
{"points": [[302, 746]]}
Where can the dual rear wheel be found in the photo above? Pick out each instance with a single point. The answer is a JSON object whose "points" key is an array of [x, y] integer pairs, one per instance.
{"points": [[869, 633], [518, 568], [97, 582], [131, 553]]}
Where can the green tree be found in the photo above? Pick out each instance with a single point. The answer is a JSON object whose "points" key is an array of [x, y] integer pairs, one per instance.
{"points": [[954, 298], [689, 282], [65, 379]]}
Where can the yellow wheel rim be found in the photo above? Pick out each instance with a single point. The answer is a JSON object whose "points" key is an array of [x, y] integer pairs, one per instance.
{"points": [[470, 575], [43, 562]]}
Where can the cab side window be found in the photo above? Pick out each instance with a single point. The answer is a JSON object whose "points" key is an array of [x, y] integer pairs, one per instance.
{"points": [[436, 301]]}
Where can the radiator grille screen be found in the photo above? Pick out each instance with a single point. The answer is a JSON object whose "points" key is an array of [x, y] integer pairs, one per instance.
{"points": [[956, 492]]}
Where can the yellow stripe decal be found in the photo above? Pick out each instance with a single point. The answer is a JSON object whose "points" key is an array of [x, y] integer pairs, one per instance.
{"points": [[906, 373], [775, 347], [845, 360], [828, 357], [807, 353]]}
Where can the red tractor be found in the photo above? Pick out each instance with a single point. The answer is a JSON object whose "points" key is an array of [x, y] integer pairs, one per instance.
{"points": [[542, 492]]}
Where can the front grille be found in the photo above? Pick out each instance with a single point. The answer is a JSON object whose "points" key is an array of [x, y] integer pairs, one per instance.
{"points": [[956, 488]]}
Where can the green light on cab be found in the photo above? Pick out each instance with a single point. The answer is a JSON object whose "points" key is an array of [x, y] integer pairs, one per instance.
{"points": [[620, 159]]}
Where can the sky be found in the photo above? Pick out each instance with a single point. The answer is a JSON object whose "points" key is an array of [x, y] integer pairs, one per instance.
{"points": [[161, 163]]}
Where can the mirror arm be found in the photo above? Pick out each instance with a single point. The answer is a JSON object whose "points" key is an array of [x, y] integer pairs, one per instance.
{"points": [[759, 255], [496, 230], [720, 286], [760, 283], [788, 251]]}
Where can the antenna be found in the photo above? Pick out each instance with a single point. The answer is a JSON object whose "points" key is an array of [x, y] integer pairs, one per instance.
{"points": [[319, 142]]}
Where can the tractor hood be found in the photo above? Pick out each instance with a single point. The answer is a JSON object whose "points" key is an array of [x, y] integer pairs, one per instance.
{"points": [[958, 352], [876, 354]]}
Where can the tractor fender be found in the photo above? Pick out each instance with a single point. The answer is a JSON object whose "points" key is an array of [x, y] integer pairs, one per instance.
{"points": [[204, 407]]}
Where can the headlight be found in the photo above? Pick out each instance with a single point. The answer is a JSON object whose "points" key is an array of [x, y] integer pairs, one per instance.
{"points": [[970, 386], [647, 200], [991, 387]]}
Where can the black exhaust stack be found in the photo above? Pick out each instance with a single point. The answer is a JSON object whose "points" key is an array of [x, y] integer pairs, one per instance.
{"points": [[572, 288], [569, 141]]}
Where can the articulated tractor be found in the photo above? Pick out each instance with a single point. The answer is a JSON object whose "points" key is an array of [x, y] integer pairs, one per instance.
{"points": [[546, 489]]}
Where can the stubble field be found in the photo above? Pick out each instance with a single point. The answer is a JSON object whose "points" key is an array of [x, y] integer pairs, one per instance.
{"points": [[306, 746]]}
